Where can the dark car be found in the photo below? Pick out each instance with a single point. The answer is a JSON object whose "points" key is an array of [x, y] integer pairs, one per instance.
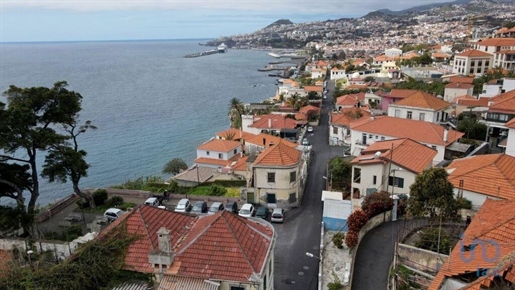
{"points": [[199, 207], [262, 212], [232, 206]]}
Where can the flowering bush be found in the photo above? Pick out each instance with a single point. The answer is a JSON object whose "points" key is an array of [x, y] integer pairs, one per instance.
{"points": [[377, 203], [357, 220], [351, 239]]}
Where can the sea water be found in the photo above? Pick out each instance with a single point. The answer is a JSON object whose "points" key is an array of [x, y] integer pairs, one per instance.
{"points": [[149, 103]]}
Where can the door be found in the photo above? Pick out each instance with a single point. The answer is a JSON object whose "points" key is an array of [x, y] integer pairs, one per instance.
{"points": [[364, 139], [250, 197], [270, 198]]}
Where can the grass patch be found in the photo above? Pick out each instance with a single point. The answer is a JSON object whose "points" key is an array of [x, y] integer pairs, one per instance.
{"points": [[216, 190]]}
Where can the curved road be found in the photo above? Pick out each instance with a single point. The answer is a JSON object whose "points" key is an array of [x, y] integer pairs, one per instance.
{"points": [[300, 232]]}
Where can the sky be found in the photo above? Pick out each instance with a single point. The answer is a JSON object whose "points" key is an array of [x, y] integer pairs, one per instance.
{"points": [[86, 20]]}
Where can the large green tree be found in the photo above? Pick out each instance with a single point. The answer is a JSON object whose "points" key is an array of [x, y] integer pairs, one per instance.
{"points": [[340, 173], [30, 125], [175, 166], [236, 109], [432, 195]]}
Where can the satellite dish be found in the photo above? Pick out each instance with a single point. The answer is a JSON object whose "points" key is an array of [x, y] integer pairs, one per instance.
{"points": [[377, 154]]}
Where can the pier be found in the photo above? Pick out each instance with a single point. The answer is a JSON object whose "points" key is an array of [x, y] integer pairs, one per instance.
{"points": [[199, 54]]}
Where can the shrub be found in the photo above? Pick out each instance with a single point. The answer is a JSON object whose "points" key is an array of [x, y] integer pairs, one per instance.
{"points": [[218, 190], [338, 240], [357, 220], [114, 201], [464, 203], [351, 239], [376, 203], [429, 240], [83, 203], [73, 232], [336, 284], [99, 197]]}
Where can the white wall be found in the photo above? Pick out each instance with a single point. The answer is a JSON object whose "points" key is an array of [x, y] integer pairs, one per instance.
{"points": [[338, 74], [215, 154], [393, 52], [510, 146], [339, 136], [477, 199], [451, 93], [380, 171], [429, 115], [490, 91], [508, 85]]}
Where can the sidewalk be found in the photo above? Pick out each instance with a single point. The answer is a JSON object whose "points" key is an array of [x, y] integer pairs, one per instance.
{"points": [[335, 261]]}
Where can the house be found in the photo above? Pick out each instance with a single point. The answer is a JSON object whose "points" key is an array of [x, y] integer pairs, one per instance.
{"points": [[470, 104], [461, 79], [278, 176], [317, 73], [510, 140], [473, 61], [390, 166], [393, 52], [337, 73], [393, 96], [368, 131], [339, 124], [503, 48], [262, 141], [272, 123], [318, 90], [501, 109], [220, 251], [194, 176], [483, 176], [218, 153], [483, 257], [454, 90], [421, 106], [350, 101], [234, 134]]}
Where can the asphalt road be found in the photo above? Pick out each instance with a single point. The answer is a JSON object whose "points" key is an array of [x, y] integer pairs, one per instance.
{"points": [[300, 232]]}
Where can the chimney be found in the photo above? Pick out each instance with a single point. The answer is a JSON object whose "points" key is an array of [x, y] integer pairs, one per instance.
{"points": [[163, 256], [372, 116], [445, 135], [269, 123]]}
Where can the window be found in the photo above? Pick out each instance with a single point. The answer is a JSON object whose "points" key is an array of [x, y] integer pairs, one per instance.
{"points": [[235, 151], [370, 136], [271, 176], [471, 71], [479, 63], [207, 153], [473, 63], [434, 147], [374, 179], [487, 63], [220, 156], [237, 288], [503, 117], [335, 130], [397, 113], [409, 114], [382, 138], [377, 137], [293, 176], [422, 116], [357, 175], [398, 182]]}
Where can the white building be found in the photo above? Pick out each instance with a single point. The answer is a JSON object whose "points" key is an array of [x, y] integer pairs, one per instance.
{"points": [[336, 73], [503, 48], [393, 52], [472, 62], [454, 90], [421, 106], [510, 144], [218, 153]]}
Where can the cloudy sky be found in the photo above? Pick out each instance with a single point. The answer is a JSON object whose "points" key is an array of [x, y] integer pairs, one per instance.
{"points": [[78, 20]]}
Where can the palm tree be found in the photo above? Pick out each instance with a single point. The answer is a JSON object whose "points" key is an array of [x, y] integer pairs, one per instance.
{"points": [[236, 108], [293, 101]]}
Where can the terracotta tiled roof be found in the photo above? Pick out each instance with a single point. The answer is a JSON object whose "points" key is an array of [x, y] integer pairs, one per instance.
{"points": [[510, 124], [461, 79], [269, 139], [217, 161], [491, 174], [440, 55], [174, 282], [236, 134], [497, 42], [487, 243], [503, 103], [241, 164], [278, 155], [459, 86], [219, 145], [423, 100], [507, 51], [471, 101], [419, 131], [222, 246], [406, 153], [402, 93], [277, 122], [474, 53], [348, 115], [198, 174], [350, 99], [309, 108], [317, 89]]}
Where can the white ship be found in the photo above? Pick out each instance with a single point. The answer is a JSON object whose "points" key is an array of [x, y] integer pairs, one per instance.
{"points": [[222, 48]]}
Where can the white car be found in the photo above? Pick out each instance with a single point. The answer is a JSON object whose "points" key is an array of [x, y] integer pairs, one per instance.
{"points": [[247, 210], [113, 213], [184, 205], [152, 201], [305, 142], [310, 129]]}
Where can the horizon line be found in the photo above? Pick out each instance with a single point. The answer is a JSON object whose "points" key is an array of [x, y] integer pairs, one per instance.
{"points": [[104, 40]]}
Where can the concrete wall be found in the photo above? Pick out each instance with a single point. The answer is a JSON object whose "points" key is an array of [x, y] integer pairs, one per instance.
{"points": [[57, 207], [425, 261], [61, 249]]}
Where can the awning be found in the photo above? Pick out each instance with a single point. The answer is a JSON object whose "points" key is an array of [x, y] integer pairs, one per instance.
{"points": [[187, 283]]}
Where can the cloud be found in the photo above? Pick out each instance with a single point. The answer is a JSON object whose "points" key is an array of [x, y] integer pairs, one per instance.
{"points": [[353, 7]]}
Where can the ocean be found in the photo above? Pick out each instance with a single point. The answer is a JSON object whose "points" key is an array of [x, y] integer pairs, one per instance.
{"points": [[149, 103]]}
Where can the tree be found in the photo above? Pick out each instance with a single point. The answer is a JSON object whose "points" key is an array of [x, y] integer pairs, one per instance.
{"points": [[236, 109], [30, 124], [472, 128], [175, 166], [65, 161], [432, 195], [340, 171], [14, 180]]}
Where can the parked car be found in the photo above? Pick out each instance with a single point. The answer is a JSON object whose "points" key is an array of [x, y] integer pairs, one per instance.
{"points": [[152, 201], [310, 129], [113, 213], [262, 212], [277, 215], [199, 207], [305, 142], [216, 207], [247, 210], [232, 206], [184, 205]]}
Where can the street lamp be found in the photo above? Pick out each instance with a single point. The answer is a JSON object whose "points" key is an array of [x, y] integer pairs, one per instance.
{"points": [[312, 256], [393, 180], [330, 180]]}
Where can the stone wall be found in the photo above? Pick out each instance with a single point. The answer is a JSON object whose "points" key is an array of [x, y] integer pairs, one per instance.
{"points": [[57, 207], [423, 260]]}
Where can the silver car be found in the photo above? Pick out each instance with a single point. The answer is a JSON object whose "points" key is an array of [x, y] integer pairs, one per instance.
{"points": [[184, 205], [277, 215], [215, 207]]}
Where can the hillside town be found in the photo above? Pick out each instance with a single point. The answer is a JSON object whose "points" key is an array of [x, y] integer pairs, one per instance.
{"points": [[385, 160]]}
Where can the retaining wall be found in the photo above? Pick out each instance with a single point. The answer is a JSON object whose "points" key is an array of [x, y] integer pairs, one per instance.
{"points": [[423, 260]]}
